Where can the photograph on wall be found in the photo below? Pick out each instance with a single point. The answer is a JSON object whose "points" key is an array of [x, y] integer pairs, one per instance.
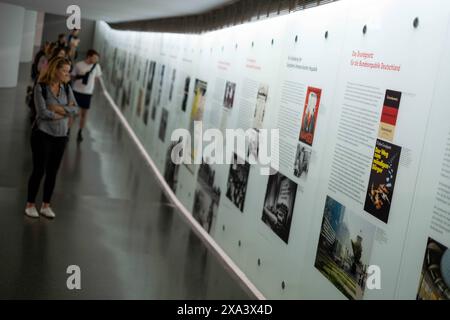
{"points": [[148, 92], [153, 115], [301, 162], [344, 249], [171, 169], [132, 61], [128, 100], [114, 63], [117, 69], [138, 75], [187, 83], [206, 198], [389, 115], [163, 125], [253, 146], [146, 70], [237, 182], [310, 113], [260, 108], [118, 90], [279, 205], [161, 84], [133, 67], [157, 100], [228, 99], [382, 180], [123, 100], [172, 83], [435, 276], [197, 112], [140, 102]]}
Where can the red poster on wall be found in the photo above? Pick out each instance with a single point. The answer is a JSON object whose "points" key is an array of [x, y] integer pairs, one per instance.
{"points": [[310, 112]]}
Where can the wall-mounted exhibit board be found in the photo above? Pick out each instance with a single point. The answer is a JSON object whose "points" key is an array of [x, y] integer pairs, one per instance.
{"points": [[308, 68], [380, 114], [363, 178], [241, 229], [425, 270]]}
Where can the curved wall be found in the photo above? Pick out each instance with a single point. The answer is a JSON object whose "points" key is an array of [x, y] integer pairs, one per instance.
{"points": [[357, 94]]}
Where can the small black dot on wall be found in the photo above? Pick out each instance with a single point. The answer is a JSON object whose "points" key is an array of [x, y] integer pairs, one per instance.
{"points": [[326, 34], [416, 22], [239, 243], [259, 262], [223, 227], [253, 44], [296, 39], [283, 285], [236, 46], [272, 42], [364, 29]]}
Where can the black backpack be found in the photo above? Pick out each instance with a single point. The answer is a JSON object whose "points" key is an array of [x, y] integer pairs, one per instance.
{"points": [[34, 66], [30, 98]]}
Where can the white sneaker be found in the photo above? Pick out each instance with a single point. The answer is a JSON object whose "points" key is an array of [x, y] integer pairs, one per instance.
{"points": [[32, 212], [48, 212]]}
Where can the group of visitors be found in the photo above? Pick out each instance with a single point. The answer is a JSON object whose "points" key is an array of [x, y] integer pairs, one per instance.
{"points": [[61, 91]]}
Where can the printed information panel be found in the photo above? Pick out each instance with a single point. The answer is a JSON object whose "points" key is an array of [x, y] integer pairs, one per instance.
{"points": [[357, 203]]}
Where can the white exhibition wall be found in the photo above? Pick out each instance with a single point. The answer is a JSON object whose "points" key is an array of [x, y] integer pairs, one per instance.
{"points": [[358, 90]]}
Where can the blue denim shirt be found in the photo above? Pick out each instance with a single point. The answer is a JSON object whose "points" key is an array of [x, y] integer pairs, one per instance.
{"points": [[46, 119]]}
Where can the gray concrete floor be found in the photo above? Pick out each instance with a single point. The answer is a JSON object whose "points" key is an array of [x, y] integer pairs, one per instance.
{"points": [[112, 221]]}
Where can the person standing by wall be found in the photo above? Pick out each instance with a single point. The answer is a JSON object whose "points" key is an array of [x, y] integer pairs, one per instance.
{"points": [[84, 74], [73, 42], [61, 43], [74, 34], [54, 102], [41, 53]]}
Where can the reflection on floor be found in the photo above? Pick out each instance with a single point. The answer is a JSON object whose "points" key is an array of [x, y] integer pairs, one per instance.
{"points": [[112, 221]]}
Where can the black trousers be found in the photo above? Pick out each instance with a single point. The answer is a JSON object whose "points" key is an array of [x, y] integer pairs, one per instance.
{"points": [[47, 155]]}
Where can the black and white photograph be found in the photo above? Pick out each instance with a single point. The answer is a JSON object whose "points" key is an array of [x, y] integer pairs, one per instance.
{"points": [[124, 99], [171, 169], [146, 72], [435, 275], [206, 198], [253, 146], [344, 249], [187, 83], [128, 95], [157, 99], [237, 182], [153, 115], [172, 83], [228, 99], [260, 108], [302, 158], [113, 69], [161, 85], [140, 103], [279, 205], [163, 125], [148, 92]]}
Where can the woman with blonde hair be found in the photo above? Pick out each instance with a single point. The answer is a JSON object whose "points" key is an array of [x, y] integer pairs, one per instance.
{"points": [[55, 103]]}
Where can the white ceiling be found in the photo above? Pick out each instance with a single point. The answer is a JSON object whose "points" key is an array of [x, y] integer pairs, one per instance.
{"points": [[123, 10]]}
